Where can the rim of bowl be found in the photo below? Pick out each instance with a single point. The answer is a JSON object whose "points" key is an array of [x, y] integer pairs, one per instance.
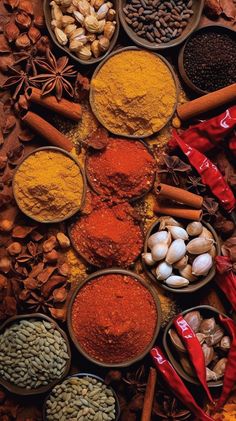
{"points": [[98, 274], [132, 199], [98, 68], [43, 389], [69, 155], [83, 374], [192, 287], [47, 12], [177, 366], [164, 46], [181, 68]]}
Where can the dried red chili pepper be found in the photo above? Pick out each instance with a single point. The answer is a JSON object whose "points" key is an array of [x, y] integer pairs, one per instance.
{"points": [[176, 384], [230, 371], [209, 173], [226, 279], [194, 349], [205, 135]]}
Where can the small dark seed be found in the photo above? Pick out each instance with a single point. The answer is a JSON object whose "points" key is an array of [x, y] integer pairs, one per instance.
{"points": [[149, 37]]}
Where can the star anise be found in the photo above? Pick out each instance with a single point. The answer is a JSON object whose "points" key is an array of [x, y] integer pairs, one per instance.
{"points": [[18, 81], [195, 184], [210, 208], [56, 74], [173, 167], [27, 59], [137, 380], [168, 408]]}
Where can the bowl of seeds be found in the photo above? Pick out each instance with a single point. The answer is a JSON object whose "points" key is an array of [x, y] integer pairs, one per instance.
{"points": [[83, 396], [34, 354], [159, 25]]}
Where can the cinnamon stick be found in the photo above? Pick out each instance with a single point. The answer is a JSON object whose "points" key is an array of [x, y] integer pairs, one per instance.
{"points": [[67, 109], [179, 195], [45, 129], [207, 102], [192, 214], [149, 395]]}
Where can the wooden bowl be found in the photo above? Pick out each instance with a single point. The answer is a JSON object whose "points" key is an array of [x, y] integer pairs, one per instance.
{"points": [[96, 111], [94, 60], [207, 312], [72, 213], [118, 272], [43, 389], [144, 43], [94, 376], [192, 287], [219, 28]]}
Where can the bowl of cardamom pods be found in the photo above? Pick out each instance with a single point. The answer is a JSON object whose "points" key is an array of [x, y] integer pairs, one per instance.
{"points": [[86, 30], [34, 354], [83, 396]]}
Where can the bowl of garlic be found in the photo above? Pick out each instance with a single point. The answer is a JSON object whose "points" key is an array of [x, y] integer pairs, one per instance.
{"points": [[86, 30], [179, 255]]}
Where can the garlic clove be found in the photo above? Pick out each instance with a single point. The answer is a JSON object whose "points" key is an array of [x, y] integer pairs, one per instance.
{"points": [[158, 237], [75, 45], [202, 264], [225, 343], [177, 232], [219, 368], [109, 29], [212, 251], [168, 220], [159, 251], [186, 272], [194, 319], [210, 375], [175, 339], [201, 337], [176, 281], [95, 48], [102, 11], [76, 33], [215, 337], [208, 352], [163, 271], [206, 234], [194, 228], [199, 245], [78, 16], [147, 257], [180, 264], [176, 251], [207, 326], [104, 44]]}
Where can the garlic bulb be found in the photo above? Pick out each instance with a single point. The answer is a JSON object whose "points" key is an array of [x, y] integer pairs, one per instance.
{"points": [[176, 251], [163, 271], [177, 232], [194, 228], [158, 237], [147, 257], [176, 281], [187, 273], [199, 245], [202, 264], [159, 251]]}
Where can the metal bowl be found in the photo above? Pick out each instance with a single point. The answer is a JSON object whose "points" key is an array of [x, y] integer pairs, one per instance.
{"points": [[192, 287], [43, 389], [183, 74], [59, 150], [96, 111], [91, 278], [94, 60], [144, 43], [207, 312], [94, 376]]}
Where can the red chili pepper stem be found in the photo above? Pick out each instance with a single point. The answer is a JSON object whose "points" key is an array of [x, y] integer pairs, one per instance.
{"points": [[176, 384], [194, 349]]}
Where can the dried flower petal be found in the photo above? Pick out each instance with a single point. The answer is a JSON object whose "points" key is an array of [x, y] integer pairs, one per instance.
{"points": [[22, 231], [59, 295], [9, 123]]}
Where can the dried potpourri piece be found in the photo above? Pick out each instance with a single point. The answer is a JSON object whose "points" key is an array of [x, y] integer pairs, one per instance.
{"points": [[18, 80], [173, 167]]}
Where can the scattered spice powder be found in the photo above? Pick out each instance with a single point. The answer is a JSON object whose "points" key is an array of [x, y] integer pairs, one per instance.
{"points": [[114, 318], [133, 93], [108, 236], [49, 186], [125, 169]]}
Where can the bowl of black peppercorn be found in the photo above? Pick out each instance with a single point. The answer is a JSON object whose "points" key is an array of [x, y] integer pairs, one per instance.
{"points": [[207, 60]]}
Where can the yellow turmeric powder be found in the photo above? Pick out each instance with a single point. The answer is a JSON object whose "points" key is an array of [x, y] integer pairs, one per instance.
{"points": [[48, 186], [134, 93]]}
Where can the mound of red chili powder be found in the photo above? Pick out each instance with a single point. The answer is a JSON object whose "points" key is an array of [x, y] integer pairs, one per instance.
{"points": [[125, 169], [108, 236], [114, 318]]}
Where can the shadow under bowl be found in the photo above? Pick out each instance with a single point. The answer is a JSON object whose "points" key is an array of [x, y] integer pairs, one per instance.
{"points": [[98, 274]]}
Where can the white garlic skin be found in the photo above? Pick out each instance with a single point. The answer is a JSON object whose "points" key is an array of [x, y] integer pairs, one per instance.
{"points": [[163, 271], [176, 281], [147, 257], [158, 237], [176, 251], [194, 228], [199, 245], [202, 264], [180, 264], [206, 234], [177, 232], [187, 273], [159, 251]]}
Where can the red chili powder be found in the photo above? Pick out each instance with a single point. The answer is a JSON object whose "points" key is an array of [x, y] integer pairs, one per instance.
{"points": [[114, 318], [108, 236], [124, 169]]}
